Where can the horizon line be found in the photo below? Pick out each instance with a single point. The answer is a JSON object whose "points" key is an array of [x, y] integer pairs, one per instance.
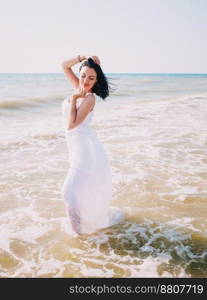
{"points": [[105, 73]]}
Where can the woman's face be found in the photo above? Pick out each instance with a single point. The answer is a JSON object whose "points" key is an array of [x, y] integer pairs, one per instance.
{"points": [[87, 78]]}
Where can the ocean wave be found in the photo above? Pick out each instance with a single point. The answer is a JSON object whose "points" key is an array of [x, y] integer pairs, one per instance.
{"points": [[149, 249], [29, 102]]}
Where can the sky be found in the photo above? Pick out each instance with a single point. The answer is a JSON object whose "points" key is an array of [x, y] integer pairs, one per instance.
{"points": [[128, 36]]}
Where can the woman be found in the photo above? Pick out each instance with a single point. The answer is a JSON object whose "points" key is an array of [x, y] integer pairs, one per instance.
{"points": [[87, 189]]}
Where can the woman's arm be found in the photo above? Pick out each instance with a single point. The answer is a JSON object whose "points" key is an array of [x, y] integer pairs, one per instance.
{"points": [[77, 116], [81, 92], [69, 72], [73, 111], [72, 61]]}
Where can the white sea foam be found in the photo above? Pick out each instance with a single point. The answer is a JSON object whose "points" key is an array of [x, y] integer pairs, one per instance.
{"points": [[155, 139]]}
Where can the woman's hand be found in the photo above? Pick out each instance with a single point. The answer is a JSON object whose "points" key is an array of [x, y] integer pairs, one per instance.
{"points": [[79, 93], [94, 58]]}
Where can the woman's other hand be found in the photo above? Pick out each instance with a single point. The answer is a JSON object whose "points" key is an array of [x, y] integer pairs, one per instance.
{"points": [[94, 58]]}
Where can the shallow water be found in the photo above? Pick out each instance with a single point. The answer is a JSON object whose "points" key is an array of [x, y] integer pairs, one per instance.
{"points": [[153, 128]]}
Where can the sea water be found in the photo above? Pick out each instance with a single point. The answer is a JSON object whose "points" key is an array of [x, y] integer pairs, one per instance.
{"points": [[154, 130]]}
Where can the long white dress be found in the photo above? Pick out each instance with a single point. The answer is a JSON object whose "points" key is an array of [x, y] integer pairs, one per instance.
{"points": [[87, 188]]}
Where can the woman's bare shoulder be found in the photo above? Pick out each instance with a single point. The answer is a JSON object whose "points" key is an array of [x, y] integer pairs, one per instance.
{"points": [[90, 95], [92, 99]]}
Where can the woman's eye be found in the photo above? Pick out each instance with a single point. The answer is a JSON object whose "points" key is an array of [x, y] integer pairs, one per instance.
{"points": [[89, 78]]}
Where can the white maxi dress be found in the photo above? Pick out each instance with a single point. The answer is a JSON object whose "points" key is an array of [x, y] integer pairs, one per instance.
{"points": [[87, 188]]}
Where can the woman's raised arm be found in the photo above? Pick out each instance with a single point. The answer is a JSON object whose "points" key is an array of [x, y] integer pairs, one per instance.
{"points": [[68, 70]]}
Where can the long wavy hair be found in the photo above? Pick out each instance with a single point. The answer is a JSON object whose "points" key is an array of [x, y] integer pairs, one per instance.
{"points": [[102, 85]]}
